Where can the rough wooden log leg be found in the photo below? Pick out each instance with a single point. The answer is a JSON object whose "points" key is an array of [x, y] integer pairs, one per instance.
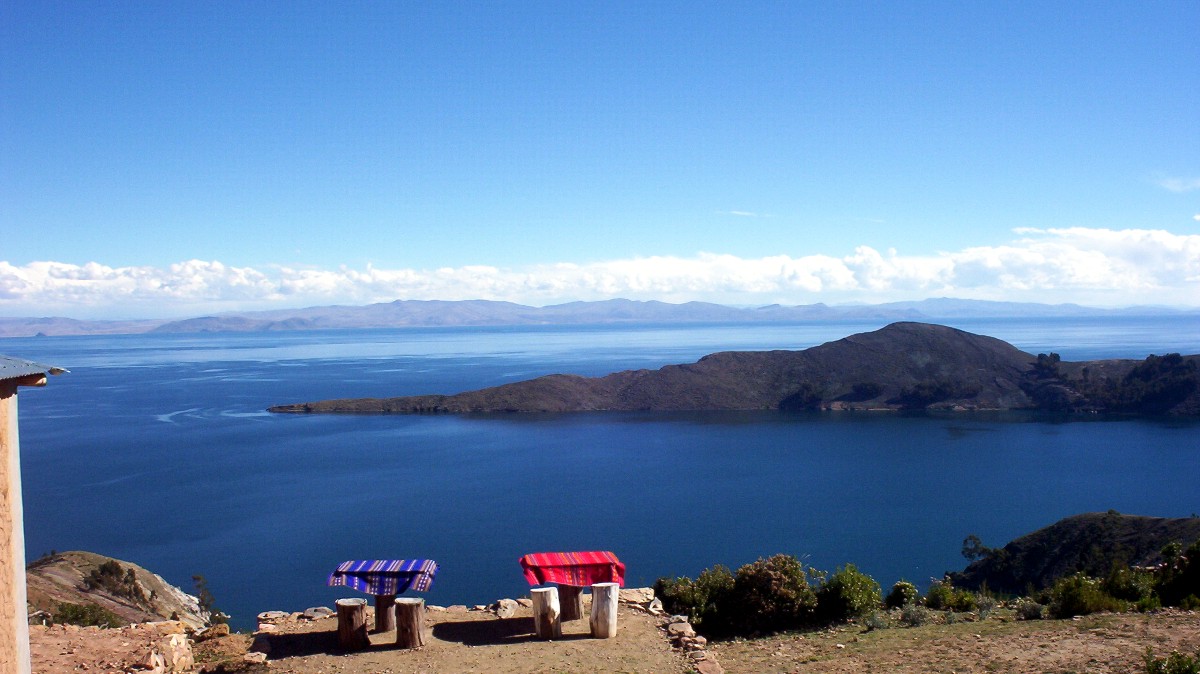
{"points": [[410, 622], [547, 617], [604, 610], [570, 598], [352, 624], [385, 612]]}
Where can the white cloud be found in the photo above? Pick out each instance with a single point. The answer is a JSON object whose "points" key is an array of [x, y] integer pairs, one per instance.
{"points": [[1175, 184], [1089, 266]]}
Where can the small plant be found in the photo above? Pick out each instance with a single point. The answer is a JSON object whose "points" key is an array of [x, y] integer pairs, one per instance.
{"points": [[902, 594], [86, 615], [1080, 595], [915, 615], [985, 604], [943, 596], [876, 620], [771, 595], [847, 593], [1028, 609], [1175, 663], [700, 600]]}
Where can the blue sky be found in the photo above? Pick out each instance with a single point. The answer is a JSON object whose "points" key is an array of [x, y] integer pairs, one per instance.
{"points": [[162, 159]]}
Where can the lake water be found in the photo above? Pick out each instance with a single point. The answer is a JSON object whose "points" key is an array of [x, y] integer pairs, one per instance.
{"points": [[156, 449]]}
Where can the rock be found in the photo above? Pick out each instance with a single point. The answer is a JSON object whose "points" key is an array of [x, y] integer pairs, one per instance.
{"points": [[700, 641], [457, 608], [317, 613], [479, 607], [273, 616], [267, 627], [434, 607], [261, 644], [526, 602], [655, 607], [154, 663], [178, 653], [505, 608], [255, 657], [636, 595], [214, 632], [708, 667], [681, 629]]}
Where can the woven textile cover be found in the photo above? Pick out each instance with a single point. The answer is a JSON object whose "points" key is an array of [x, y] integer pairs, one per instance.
{"points": [[573, 568], [385, 576]]}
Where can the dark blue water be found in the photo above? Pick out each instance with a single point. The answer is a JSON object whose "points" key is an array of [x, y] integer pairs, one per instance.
{"points": [[156, 449]]}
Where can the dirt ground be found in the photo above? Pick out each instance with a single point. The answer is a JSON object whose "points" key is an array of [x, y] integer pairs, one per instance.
{"points": [[459, 640], [1101, 644]]}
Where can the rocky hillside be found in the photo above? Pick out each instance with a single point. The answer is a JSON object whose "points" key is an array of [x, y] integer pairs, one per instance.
{"points": [[901, 366], [1090, 543], [124, 588]]}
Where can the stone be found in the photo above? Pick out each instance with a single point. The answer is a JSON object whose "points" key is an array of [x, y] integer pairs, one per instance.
{"points": [[636, 595], [526, 602], [697, 656], [215, 632], [261, 644], [317, 613], [681, 629], [267, 627], [272, 616], [479, 607], [255, 657], [434, 607], [457, 608], [505, 608], [153, 663], [700, 641], [177, 653], [655, 607], [708, 667]]}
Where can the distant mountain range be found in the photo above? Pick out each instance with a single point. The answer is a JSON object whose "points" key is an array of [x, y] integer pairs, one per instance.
{"points": [[437, 313]]}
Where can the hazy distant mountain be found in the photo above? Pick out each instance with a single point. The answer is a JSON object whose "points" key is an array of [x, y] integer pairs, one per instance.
{"points": [[436, 313]]}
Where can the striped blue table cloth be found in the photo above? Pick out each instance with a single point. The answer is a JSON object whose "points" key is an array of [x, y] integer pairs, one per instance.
{"points": [[385, 576]]}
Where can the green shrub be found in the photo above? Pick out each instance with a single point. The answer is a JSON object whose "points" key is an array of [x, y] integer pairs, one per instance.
{"points": [[985, 604], [700, 600], [1028, 609], [1080, 595], [1175, 663], [943, 596], [848, 593], [770, 595], [876, 620], [903, 593], [915, 615], [86, 615], [1129, 584], [1180, 576]]}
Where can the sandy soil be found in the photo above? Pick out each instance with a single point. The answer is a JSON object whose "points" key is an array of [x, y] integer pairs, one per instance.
{"points": [[478, 641], [1102, 644], [457, 640]]}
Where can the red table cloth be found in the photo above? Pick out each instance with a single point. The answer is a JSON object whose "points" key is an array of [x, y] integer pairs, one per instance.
{"points": [[573, 568]]}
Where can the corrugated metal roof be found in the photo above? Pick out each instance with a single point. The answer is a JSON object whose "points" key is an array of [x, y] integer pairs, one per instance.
{"points": [[13, 368]]}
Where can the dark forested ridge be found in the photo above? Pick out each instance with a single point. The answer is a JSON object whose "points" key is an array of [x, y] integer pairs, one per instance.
{"points": [[905, 365], [1090, 543]]}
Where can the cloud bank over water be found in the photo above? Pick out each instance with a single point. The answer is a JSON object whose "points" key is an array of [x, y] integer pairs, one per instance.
{"points": [[1100, 267]]}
